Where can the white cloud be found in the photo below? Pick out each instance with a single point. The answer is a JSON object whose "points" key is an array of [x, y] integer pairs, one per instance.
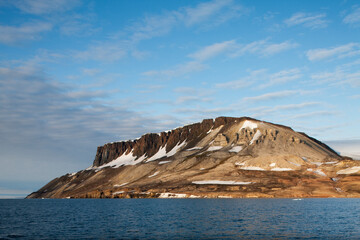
{"points": [[216, 11], [347, 50], [270, 96], [338, 77], [272, 49], [211, 13], [44, 7], [283, 76], [263, 48], [259, 77], [91, 71], [212, 50], [196, 99], [179, 70], [309, 20], [353, 17], [106, 52], [244, 82], [30, 31]]}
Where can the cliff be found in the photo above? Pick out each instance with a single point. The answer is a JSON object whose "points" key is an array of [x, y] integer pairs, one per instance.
{"points": [[222, 157]]}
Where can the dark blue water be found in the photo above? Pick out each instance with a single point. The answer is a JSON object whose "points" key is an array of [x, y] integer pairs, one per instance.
{"points": [[180, 218]]}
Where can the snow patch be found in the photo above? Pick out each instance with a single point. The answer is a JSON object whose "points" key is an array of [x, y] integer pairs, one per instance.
{"points": [[281, 169], [224, 196], [194, 148], [249, 124], [153, 175], [252, 168], [349, 170], [123, 160], [219, 182], [319, 172], [119, 192], [162, 152], [214, 148], [331, 162], [164, 162], [194, 196], [236, 149], [239, 164], [256, 137], [272, 164], [172, 195], [120, 185]]}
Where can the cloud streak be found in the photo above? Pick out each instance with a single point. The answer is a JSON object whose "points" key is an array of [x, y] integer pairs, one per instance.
{"points": [[29, 31], [309, 20], [346, 50], [353, 17]]}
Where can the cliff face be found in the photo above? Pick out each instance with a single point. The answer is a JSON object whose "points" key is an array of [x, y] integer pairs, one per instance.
{"points": [[222, 157], [150, 143]]}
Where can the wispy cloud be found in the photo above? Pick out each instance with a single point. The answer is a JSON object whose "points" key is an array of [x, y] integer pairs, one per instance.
{"points": [[309, 20], [281, 77], [263, 48], [323, 113], [29, 31], [212, 50], [105, 52], [39, 7], [244, 82], [338, 77], [217, 12], [211, 13], [347, 50], [179, 70], [189, 99], [353, 17], [270, 96], [262, 79]]}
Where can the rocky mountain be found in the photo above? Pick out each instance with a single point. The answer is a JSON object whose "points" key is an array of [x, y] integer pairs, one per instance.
{"points": [[222, 157]]}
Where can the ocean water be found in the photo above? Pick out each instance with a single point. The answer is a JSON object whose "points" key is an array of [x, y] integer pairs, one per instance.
{"points": [[180, 219]]}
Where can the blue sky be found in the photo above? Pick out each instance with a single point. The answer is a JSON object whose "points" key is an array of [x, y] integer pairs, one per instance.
{"points": [[77, 74]]}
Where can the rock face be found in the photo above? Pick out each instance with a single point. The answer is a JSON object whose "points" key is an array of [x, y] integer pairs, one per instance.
{"points": [[222, 157]]}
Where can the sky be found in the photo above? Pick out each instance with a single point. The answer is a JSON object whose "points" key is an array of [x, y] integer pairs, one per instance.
{"points": [[75, 74]]}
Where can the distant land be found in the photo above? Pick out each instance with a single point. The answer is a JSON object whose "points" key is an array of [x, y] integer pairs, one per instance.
{"points": [[217, 158]]}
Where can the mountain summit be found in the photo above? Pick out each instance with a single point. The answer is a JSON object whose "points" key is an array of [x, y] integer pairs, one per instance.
{"points": [[222, 157]]}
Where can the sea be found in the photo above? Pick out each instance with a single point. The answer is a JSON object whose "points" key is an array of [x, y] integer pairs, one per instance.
{"points": [[180, 219]]}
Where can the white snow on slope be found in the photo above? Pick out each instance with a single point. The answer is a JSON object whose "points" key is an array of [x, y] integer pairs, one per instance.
{"points": [[172, 195], [319, 172], [239, 164], [256, 137], [248, 124], [194, 148], [221, 182], [281, 169], [272, 164], [252, 168], [236, 149], [123, 160], [349, 170], [214, 148], [162, 152], [153, 175], [120, 185], [164, 162]]}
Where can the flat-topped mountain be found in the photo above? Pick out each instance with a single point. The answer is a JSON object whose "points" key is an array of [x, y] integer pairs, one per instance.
{"points": [[222, 157]]}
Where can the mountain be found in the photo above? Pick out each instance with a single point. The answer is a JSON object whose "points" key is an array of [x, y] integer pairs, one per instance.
{"points": [[222, 157]]}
